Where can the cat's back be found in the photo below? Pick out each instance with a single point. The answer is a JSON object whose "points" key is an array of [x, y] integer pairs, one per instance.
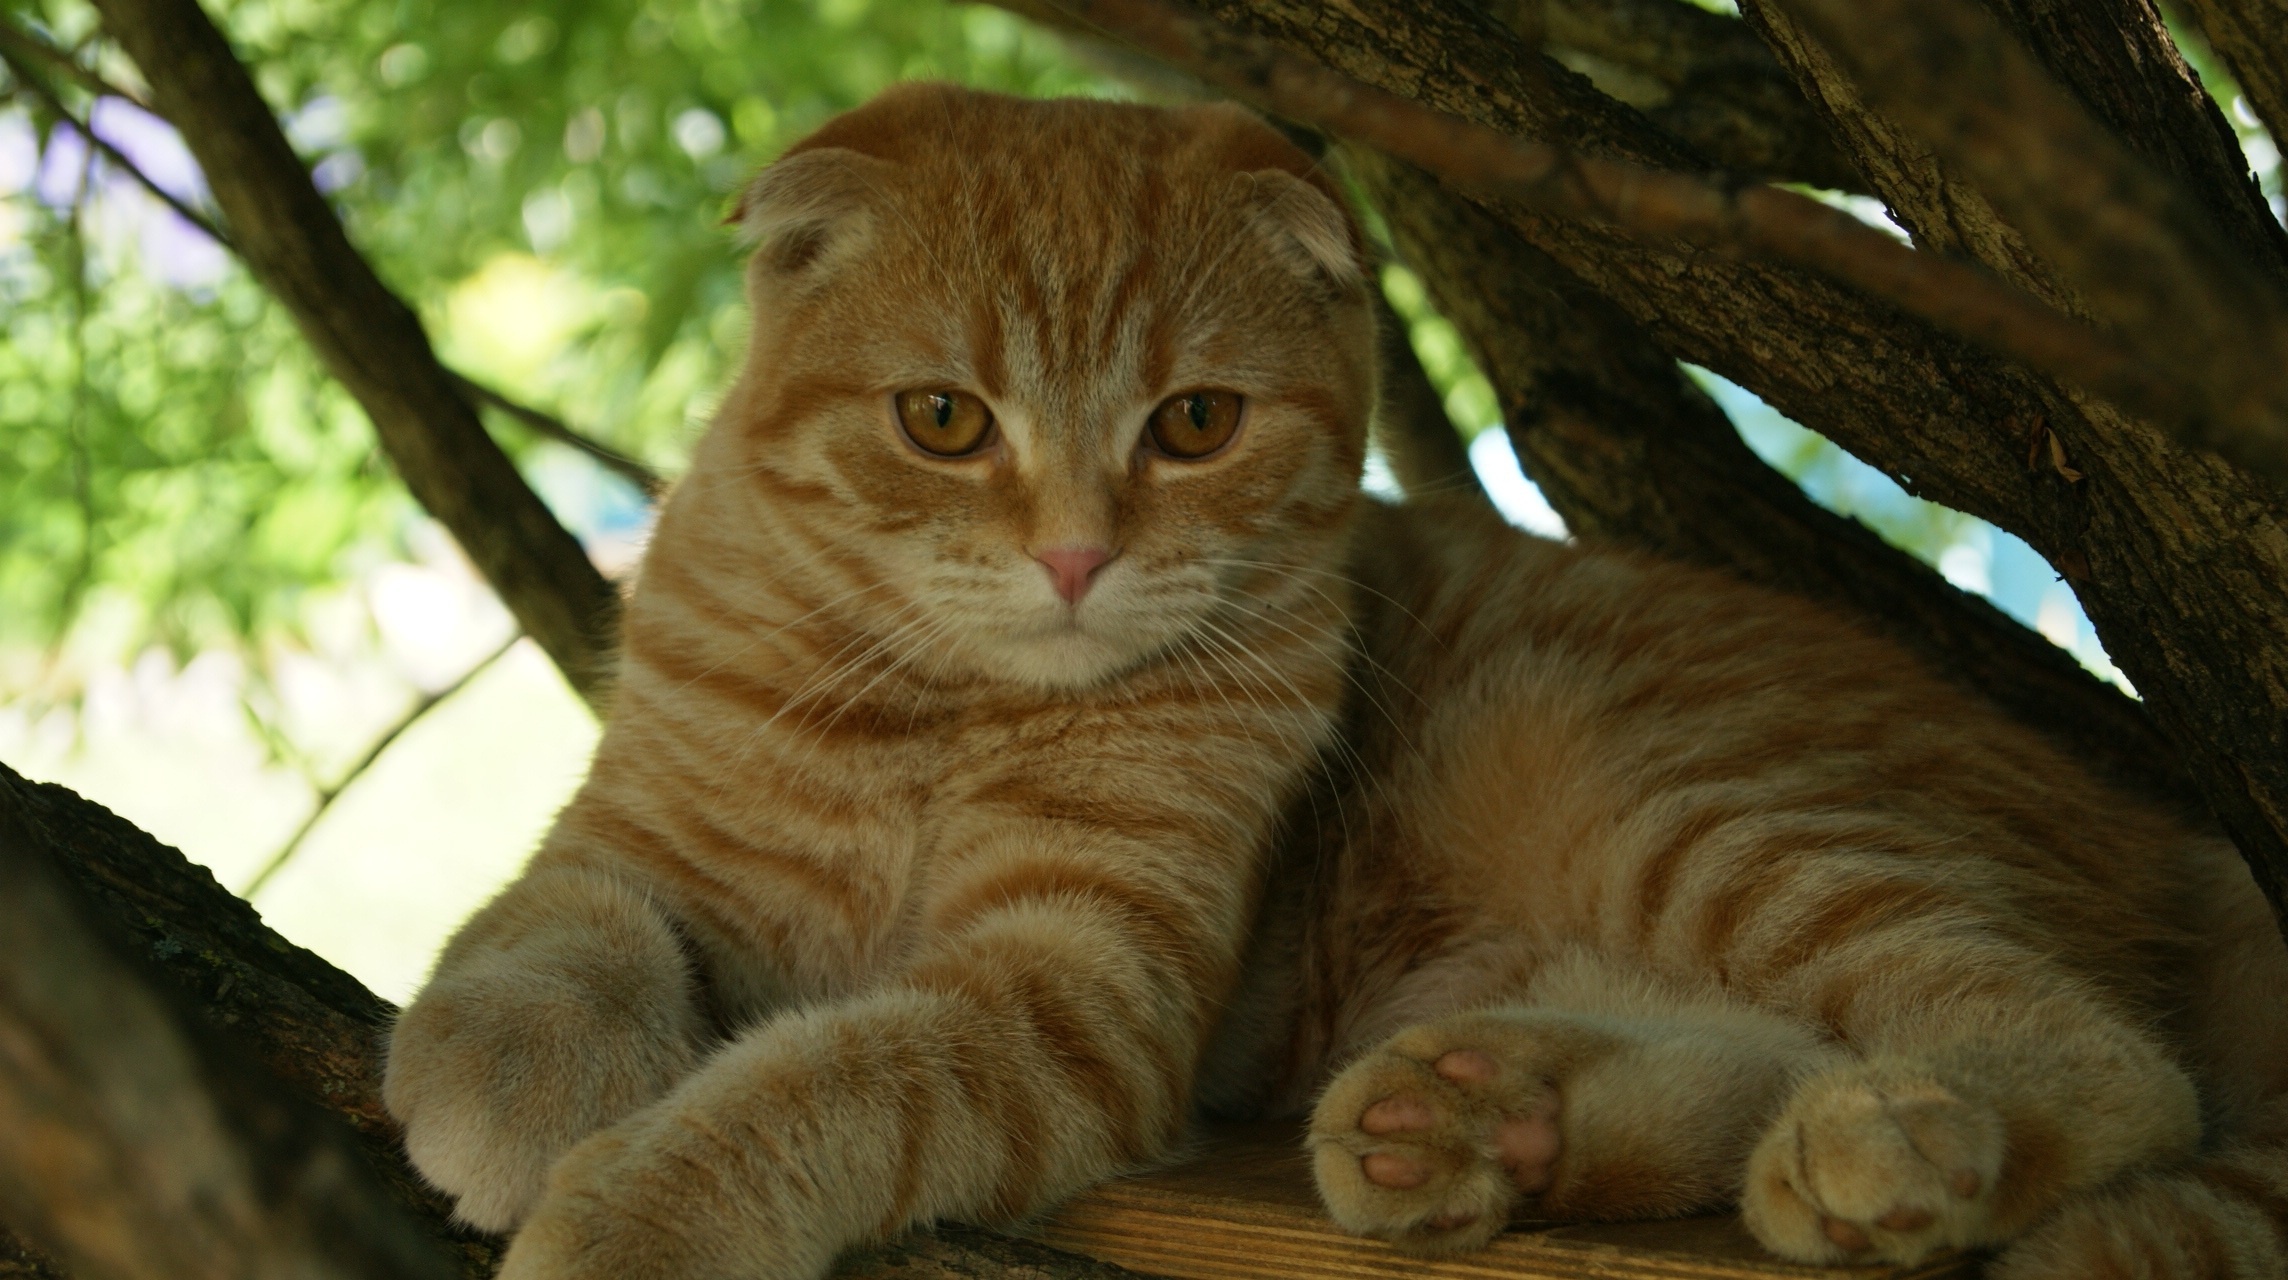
{"points": [[1581, 746]]}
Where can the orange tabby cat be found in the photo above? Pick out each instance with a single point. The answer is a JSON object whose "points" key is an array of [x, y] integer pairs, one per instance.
{"points": [[1027, 734]]}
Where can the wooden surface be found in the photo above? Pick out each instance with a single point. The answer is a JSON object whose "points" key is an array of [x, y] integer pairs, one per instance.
{"points": [[1244, 1209]]}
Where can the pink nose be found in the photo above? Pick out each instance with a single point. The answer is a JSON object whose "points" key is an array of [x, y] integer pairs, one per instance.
{"points": [[1073, 569]]}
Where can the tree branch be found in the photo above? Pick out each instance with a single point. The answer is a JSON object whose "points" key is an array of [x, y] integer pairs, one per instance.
{"points": [[326, 795], [2132, 250], [15, 40], [2181, 559], [12, 41], [1757, 220], [651, 483], [16, 45], [2175, 558], [1701, 76], [2252, 38], [134, 1146], [368, 338], [1627, 449]]}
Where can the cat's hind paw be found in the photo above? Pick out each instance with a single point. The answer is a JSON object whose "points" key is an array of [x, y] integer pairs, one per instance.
{"points": [[1874, 1162], [1431, 1139]]}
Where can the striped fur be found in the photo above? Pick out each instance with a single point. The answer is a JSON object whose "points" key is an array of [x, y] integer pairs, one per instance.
{"points": [[1660, 892], [902, 889]]}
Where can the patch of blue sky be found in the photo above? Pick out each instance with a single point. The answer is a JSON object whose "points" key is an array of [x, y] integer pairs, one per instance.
{"points": [[1974, 555]]}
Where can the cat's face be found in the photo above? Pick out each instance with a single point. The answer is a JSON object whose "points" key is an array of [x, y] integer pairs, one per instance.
{"points": [[1049, 386]]}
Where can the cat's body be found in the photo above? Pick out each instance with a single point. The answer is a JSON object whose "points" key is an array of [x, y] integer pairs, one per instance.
{"points": [[976, 800]]}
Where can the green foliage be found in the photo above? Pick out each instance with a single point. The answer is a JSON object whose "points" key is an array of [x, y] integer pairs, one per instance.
{"points": [[545, 185], [174, 450]]}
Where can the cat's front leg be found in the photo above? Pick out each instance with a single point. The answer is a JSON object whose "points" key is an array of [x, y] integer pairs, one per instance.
{"points": [[564, 1005], [1040, 1051]]}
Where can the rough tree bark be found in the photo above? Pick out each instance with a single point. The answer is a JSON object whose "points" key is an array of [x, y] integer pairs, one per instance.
{"points": [[2071, 155], [2180, 558], [1627, 449], [2252, 38], [1697, 75], [158, 1040], [146, 1148]]}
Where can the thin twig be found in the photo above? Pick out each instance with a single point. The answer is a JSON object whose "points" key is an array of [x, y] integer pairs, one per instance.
{"points": [[643, 477], [1742, 220], [636, 473], [24, 42], [327, 795], [10, 50]]}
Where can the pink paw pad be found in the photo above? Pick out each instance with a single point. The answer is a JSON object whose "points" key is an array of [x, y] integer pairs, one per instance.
{"points": [[1527, 1144], [1433, 1140], [1530, 1143]]}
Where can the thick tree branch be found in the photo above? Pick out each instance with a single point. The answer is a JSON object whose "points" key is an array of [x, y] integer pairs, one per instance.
{"points": [[2252, 38], [2245, 422], [1629, 450], [306, 1024], [315, 1039], [368, 338], [2181, 559], [1702, 77], [2119, 61], [134, 1145], [2176, 559], [2133, 250]]}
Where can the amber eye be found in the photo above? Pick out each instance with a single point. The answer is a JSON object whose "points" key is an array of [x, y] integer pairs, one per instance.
{"points": [[946, 423], [1196, 423]]}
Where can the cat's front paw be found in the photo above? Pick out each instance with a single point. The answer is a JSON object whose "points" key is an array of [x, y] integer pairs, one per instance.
{"points": [[638, 1201], [1874, 1162], [561, 1008], [1430, 1140]]}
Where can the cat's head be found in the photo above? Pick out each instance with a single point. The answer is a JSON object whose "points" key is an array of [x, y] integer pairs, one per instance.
{"points": [[1046, 384]]}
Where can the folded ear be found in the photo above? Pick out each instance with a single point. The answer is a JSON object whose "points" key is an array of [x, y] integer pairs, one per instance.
{"points": [[809, 207], [1312, 229]]}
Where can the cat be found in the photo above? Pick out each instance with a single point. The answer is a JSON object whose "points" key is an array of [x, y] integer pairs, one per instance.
{"points": [[1028, 737]]}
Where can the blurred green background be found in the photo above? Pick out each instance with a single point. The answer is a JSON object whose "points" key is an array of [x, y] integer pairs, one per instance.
{"points": [[215, 599]]}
